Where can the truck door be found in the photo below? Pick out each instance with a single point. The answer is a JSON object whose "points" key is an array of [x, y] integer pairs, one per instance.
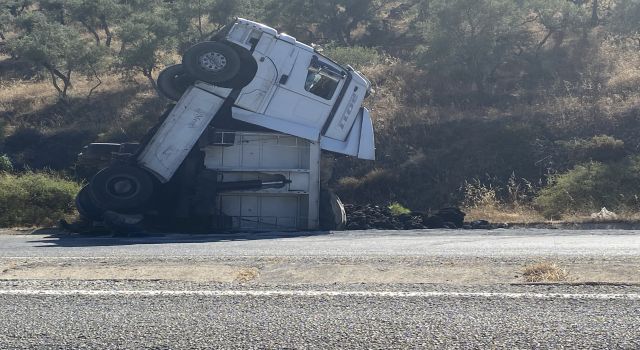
{"points": [[308, 94], [275, 58]]}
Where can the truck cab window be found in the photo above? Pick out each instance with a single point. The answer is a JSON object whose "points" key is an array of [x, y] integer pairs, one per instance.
{"points": [[321, 82]]}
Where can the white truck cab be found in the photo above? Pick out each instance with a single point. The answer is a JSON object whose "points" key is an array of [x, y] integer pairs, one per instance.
{"points": [[296, 90]]}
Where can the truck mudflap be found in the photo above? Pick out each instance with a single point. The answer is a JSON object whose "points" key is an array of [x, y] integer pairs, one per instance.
{"points": [[179, 133], [359, 143]]}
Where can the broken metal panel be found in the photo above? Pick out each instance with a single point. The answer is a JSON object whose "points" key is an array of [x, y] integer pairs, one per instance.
{"points": [[179, 133], [360, 142], [367, 149]]}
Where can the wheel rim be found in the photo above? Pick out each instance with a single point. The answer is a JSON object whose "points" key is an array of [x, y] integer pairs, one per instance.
{"points": [[122, 187], [213, 61]]}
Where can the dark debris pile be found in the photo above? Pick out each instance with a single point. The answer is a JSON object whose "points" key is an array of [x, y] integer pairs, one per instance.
{"points": [[367, 217]]}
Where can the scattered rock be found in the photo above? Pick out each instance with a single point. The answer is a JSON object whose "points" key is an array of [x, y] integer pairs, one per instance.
{"points": [[366, 217], [453, 216], [123, 223], [480, 225]]}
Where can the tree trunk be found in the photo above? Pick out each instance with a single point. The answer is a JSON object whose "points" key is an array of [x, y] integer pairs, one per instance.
{"points": [[545, 39], [147, 72], [200, 30], [95, 74], [594, 13], [55, 75], [67, 84], [54, 81], [93, 32], [107, 31]]}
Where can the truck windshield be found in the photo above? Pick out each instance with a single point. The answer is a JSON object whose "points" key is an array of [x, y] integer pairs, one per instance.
{"points": [[321, 82]]}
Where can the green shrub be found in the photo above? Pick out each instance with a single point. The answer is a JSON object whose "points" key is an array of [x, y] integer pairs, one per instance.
{"points": [[601, 148], [398, 209], [356, 56], [5, 164], [588, 187], [33, 199]]}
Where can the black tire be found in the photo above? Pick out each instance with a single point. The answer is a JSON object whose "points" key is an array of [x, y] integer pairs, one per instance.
{"points": [[212, 62], [121, 188], [86, 207], [248, 69], [173, 81], [332, 212]]}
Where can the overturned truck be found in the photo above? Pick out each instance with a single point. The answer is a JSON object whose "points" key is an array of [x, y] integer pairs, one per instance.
{"points": [[242, 149]]}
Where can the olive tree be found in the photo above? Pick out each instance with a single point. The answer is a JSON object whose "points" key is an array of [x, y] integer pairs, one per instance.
{"points": [[55, 10], [294, 17], [223, 11], [191, 18], [145, 37], [5, 20], [467, 41], [9, 10], [338, 19], [331, 20], [97, 16], [60, 49], [558, 18], [625, 20], [199, 19]]}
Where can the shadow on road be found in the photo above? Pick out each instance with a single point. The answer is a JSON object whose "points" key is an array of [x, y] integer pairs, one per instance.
{"points": [[64, 239]]}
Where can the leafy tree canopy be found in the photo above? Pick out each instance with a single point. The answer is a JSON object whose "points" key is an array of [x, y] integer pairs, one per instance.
{"points": [[60, 49]]}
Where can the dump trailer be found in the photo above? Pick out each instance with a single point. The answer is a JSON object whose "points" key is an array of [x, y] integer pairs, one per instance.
{"points": [[241, 148]]}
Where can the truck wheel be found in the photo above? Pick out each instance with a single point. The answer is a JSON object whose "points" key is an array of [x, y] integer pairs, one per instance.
{"points": [[212, 62], [86, 207], [332, 213], [173, 81], [121, 187], [248, 69]]}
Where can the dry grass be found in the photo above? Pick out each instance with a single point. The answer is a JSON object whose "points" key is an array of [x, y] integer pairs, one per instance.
{"points": [[625, 216], [19, 97], [624, 65], [504, 214], [525, 215], [544, 272], [110, 110], [247, 275], [481, 202], [15, 90]]}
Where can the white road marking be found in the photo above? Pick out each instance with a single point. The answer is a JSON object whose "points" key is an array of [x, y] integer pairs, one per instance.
{"points": [[303, 293]]}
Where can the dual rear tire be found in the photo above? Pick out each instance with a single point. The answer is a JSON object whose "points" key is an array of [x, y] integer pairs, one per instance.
{"points": [[121, 188]]}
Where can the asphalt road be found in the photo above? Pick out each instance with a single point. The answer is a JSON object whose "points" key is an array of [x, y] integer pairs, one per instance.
{"points": [[423, 243], [384, 289]]}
